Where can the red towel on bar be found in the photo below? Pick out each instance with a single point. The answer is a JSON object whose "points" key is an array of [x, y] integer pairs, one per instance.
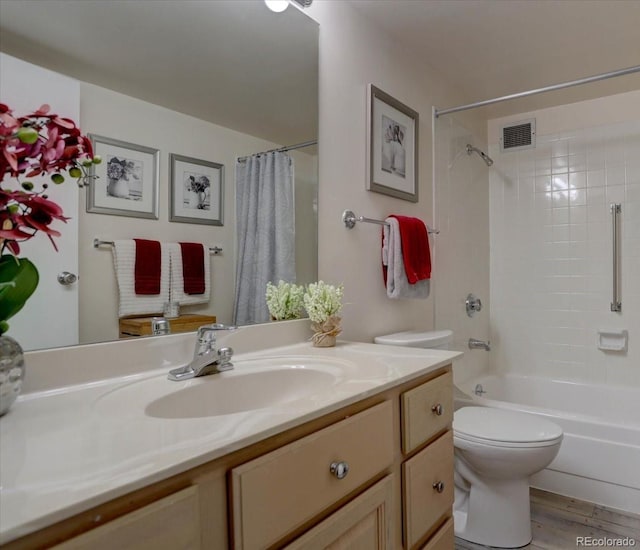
{"points": [[415, 248], [193, 267], [147, 267]]}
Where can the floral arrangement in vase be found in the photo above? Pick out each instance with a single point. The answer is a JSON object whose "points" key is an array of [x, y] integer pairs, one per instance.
{"points": [[284, 300], [33, 145], [323, 302], [37, 144]]}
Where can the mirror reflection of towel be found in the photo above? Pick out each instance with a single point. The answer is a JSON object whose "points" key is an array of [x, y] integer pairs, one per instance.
{"points": [[147, 267], [193, 267], [130, 302], [179, 286]]}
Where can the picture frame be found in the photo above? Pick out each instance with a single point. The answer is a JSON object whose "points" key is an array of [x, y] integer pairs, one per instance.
{"points": [[392, 148], [196, 190], [126, 182]]}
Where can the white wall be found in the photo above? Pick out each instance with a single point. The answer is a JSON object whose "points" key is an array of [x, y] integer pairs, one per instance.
{"points": [[551, 243], [354, 53], [50, 316], [462, 254], [118, 116]]}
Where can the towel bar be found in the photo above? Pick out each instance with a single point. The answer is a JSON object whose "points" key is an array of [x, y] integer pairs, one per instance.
{"points": [[350, 219], [215, 250]]}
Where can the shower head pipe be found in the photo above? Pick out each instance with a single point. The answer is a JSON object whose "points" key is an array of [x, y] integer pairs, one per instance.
{"points": [[487, 159]]}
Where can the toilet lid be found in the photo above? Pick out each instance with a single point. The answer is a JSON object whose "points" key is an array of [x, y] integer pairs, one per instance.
{"points": [[502, 426]]}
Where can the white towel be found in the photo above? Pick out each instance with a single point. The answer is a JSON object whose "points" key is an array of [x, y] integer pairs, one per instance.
{"points": [[397, 284], [124, 260], [177, 278]]}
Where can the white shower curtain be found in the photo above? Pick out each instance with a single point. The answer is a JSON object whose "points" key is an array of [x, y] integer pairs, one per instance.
{"points": [[265, 229]]}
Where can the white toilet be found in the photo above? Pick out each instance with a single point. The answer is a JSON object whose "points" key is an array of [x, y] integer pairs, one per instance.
{"points": [[496, 451]]}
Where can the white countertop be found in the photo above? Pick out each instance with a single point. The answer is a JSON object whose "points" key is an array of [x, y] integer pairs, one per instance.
{"points": [[67, 449]]}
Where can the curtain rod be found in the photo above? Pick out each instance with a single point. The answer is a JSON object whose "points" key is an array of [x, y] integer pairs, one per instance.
{"points": [[283, 149], [586, 80]]}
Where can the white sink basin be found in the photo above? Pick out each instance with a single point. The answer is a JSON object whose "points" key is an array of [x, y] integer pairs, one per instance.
{"points": [[252, 384]]}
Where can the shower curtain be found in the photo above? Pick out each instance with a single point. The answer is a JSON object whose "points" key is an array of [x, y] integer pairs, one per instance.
{"points": [[265, 229]]}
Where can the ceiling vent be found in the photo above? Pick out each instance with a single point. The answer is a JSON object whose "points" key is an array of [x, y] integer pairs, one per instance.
{"points": [[518, 136]]}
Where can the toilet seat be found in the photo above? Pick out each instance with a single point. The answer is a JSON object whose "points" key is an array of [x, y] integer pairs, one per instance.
{"points": [[502, 428]]}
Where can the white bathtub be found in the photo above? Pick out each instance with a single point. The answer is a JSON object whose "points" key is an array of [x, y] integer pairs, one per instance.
{"points": [[599, 460]]}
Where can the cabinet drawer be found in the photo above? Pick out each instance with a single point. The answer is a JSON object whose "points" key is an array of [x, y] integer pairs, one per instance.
{"points": [[444, 539], [363, 523], [426, 410], [425, 501], [171, 522], [278, 492]]}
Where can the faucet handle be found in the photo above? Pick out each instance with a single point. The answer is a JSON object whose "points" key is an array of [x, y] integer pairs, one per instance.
{"points": [[225, 354], [221, 326]]}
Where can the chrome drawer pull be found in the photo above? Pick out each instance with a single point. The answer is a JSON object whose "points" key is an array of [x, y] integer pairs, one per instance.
{"points": [[437, 409], [339, 469], [438, 486]]}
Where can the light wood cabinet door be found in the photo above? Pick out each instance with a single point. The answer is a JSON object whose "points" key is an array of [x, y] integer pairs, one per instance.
{"points": [[280, 491], [362, 524], [171, 522], [427, 480], [444, 539], [426, 410]]}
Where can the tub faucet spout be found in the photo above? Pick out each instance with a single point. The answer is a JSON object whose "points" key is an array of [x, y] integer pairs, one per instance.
{"points": [[479, 344]]}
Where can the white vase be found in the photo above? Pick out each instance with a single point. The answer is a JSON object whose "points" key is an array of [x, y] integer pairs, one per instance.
{"points": [[118, 188]]}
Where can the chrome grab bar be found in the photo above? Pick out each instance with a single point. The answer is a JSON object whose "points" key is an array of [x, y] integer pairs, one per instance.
{"points": [[616, 304]]}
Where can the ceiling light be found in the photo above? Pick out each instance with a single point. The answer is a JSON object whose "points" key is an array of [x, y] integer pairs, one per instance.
{"points": [[277, 5]]}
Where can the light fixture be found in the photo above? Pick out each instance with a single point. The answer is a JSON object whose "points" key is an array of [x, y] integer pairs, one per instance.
{"points": [[277, 5], [280, 5]]}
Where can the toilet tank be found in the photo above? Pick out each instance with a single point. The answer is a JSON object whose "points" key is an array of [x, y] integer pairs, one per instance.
{"points": [[435, 339]]}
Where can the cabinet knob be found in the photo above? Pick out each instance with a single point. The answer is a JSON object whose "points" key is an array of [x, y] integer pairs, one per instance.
{"points": [[437, 409], [339, 469], [438, 486]]}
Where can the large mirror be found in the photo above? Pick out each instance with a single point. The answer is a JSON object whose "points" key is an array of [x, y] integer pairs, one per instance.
{"points": [[212, 80]]}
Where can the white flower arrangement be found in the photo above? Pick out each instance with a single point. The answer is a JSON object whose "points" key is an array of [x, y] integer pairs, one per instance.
{"points": [[284, 300], [322, 301]]}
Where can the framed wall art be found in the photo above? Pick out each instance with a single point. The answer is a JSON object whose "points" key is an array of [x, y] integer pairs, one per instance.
{"points": [[392, 149], [196, 191], [125, 183]]}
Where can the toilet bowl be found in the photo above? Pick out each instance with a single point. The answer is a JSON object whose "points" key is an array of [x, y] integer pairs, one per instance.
{"points": [[496, 451], [433, 339]]}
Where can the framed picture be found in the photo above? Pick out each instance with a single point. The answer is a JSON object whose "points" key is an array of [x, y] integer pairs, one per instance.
{"points": [[126, 181], [392, 132], [196, 190]]}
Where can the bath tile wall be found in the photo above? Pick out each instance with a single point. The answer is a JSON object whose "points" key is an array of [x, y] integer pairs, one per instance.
{"points": [[551, 251]]}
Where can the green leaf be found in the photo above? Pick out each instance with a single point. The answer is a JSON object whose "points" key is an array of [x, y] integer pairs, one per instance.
{"points": [[27, 135], [18, 281]]}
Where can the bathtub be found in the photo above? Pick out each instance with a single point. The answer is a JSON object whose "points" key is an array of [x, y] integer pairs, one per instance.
{"points": [[599, 460]]}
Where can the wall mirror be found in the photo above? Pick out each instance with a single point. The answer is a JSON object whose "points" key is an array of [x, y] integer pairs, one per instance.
{"points": [[209, 80]]}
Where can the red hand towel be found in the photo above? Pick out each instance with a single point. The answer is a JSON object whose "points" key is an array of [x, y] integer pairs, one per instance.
{"points": [[193, 267], [147, 267], [415, 248]]}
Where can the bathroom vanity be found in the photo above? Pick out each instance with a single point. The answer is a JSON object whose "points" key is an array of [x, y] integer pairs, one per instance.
{"points": [[358, 455]]}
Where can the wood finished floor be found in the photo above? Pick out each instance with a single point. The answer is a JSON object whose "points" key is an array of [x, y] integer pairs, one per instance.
{"points": [[557, 521]]}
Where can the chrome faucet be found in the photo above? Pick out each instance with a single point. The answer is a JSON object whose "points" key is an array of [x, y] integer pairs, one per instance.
{"points": [[206, 358], [479, 344]]}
